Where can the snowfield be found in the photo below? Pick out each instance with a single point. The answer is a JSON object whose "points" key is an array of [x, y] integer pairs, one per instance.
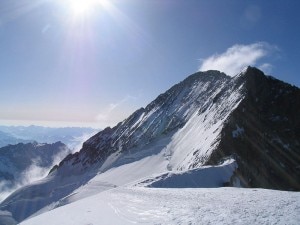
{"points": [[140, 205], [128, 195], [122, 195]]}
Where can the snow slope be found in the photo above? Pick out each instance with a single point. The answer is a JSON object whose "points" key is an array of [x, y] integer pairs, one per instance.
{"points": [[204, 177], [57, 191], [178, 206]]}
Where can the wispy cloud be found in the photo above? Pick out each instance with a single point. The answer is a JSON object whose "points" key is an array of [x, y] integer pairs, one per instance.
{"points": [[235, 58], [114, 110]]}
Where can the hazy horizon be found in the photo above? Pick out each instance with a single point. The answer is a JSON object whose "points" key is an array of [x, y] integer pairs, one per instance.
{"points": [[51, 124]]}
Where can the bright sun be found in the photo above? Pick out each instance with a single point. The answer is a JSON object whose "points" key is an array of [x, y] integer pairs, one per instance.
{"points": [[82, 7]]}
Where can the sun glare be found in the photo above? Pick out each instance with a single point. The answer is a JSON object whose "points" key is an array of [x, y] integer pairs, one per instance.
{"points": [[85, 7], [82, 7]]}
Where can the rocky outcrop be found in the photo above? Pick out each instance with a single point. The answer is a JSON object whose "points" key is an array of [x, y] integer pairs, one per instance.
{"points": [[263, 134]]}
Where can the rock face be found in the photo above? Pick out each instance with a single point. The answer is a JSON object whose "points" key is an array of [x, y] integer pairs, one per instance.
{"points": [[263, 134], [255, 120]]}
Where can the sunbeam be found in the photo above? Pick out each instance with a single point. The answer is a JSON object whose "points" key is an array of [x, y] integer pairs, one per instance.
{"points": [[84, 8]]}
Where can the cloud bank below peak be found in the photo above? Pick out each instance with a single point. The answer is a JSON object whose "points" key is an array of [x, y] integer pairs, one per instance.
{"points": [[237, 57]]}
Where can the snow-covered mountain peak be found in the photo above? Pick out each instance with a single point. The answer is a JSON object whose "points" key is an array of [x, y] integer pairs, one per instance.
{"points": [[164, 116], [190, 115], [191, 129]]}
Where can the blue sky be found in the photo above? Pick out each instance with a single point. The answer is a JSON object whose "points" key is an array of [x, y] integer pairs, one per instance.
{"points": [[93, 62]]}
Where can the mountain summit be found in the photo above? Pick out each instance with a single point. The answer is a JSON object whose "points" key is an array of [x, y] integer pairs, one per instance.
{"points": [[209, 130], [207, 118]]}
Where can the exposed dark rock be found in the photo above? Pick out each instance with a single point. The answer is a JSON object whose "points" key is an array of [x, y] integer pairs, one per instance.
{"points": [[263, 134]]}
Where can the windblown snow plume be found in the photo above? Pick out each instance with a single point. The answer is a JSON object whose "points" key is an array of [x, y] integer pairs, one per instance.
{"points": [[237, 57], [23, 164]]}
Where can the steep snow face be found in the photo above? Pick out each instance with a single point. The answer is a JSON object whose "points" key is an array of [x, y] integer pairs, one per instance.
{"points": [[192, 145], [187, 111]]}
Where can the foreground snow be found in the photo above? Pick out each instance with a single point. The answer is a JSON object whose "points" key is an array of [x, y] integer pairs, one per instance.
{"points": [[139, 205], [119, 196]]}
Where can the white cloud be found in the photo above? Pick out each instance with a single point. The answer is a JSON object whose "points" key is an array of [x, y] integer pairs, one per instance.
{"points": [[237, 57], [115, 112]]}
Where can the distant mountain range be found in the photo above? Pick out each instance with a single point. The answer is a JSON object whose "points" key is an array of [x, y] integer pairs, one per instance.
{"points": [[210, 130], [71, 136], [25, 155], [9, 139]]}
